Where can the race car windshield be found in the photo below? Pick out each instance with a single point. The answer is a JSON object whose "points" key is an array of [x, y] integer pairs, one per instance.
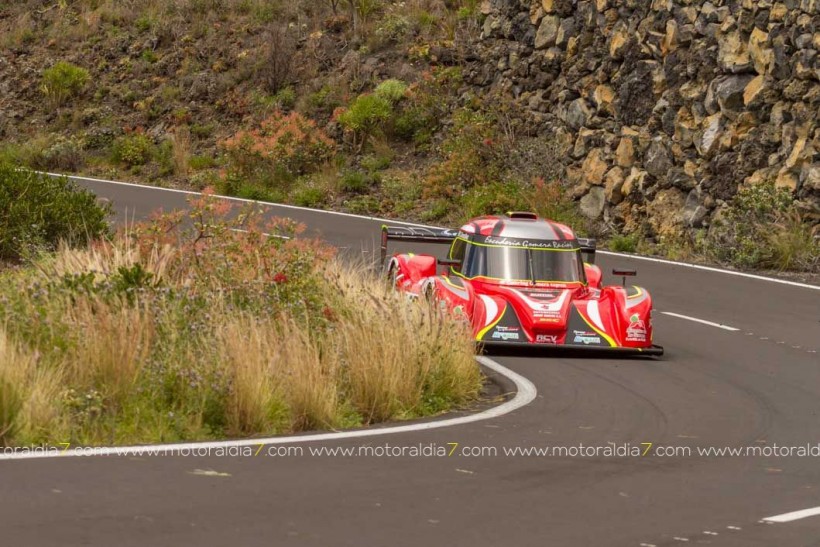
{"points": [[522, 264]]}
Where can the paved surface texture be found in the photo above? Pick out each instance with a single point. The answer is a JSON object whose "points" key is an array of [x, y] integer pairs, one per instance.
{"points": [[756, 386]]}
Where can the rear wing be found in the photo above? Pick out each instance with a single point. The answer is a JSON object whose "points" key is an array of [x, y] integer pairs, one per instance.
{"points": [[415, 233], [588, 246]]}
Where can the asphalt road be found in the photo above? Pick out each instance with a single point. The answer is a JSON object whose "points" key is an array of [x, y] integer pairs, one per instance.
{"points": [[758, 385]]}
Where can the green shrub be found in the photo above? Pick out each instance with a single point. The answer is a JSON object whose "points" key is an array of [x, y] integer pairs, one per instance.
{"points": [[437, 210], [761, 228], [202, 131], [393, 29], [795, 244], [323, 102], [623, 243], [233, 184], [494, 198], [401, 193], [364, 116], [309, 196], [391, 90], [65, 154], [549, 199], [472, 156], [40, 211], [199, 163], [63, 81], [377, 162], [133, 150], [355, 182], [363, 205]]}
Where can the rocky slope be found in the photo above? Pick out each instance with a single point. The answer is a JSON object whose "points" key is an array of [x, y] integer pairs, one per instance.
{"points": [[664, 108]]}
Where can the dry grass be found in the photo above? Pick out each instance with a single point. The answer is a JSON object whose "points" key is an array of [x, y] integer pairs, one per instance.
{"points": [[181, 151], [86, 361], [29, 394]]}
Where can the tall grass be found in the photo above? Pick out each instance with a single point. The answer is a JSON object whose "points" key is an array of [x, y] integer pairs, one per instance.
{"points": [[188, 329]]}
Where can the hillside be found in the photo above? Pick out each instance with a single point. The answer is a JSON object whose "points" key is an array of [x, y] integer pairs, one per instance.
{"points": [[685, 128]]}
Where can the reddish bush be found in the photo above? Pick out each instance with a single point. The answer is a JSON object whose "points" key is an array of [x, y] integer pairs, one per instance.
{"points": [[289, 144]]}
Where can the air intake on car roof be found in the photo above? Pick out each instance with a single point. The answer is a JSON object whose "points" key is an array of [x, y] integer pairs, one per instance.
{"points": [[522, 215]]}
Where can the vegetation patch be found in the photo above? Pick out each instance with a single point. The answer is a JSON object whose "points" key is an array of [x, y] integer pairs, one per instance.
{"points": [[38, 212], [187, 328], [761, 229]]}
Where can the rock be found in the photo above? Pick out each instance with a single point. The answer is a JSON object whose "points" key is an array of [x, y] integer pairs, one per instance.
{"points": [[762, 56], [604, 96], [592, 204], [685, 127], [812, 178], [780, 115], [671, 39], [492, 24], [806, 66], [594, 167], [707, 138], [562, 7], [805, 41], [679, 178], [566, 30], [614, 182], [810, 6], [536, 14], [625, 153], [800, 154], [658, 159], [694, 213], [787, 179], [760, 176], [753, 89], [618, 41], [634, 182], [778, 12], [636, 93], [726, 92], [733, 55], [547, 32], [664, 213], [577, 114], [584, 142]]}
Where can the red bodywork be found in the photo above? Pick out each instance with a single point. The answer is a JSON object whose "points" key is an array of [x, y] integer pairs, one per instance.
{"points": [[579, 314]]}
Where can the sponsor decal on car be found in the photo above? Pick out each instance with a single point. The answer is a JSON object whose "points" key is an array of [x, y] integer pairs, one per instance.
{"points": [[586, 338], [636, 331], [506, 333], [542, 295], [546, 338], [537, 244]]}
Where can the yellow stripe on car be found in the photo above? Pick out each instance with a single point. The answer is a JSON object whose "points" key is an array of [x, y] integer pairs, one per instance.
{"points": [[491, 326]]}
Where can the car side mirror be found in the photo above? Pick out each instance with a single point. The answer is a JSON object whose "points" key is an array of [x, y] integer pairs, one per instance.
{"points": [[449, 262], [624, 274]]}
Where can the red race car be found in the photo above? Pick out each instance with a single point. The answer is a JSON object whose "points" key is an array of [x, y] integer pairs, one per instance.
{"points": [[522, 280]]}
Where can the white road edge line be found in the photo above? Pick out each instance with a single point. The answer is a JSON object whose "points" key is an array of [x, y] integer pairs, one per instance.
{"points": [[712, 269], [525, 394], [702, 321], [232, 198], [390, 221], [794, 515]]}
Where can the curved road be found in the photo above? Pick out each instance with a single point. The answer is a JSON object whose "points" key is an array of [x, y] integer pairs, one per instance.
{"points": [[755, 386]]}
